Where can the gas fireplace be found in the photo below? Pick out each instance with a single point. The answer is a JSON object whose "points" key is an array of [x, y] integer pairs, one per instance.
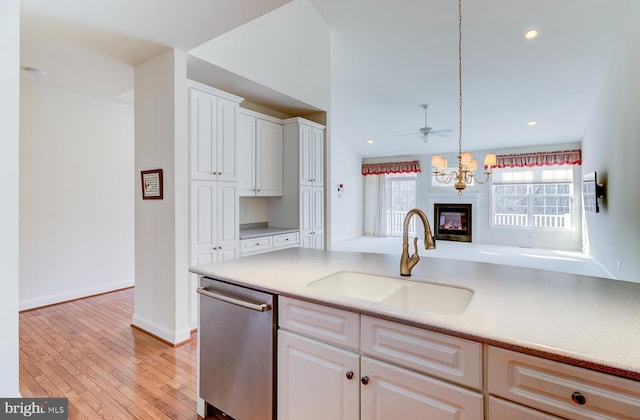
{"points": [[452, 222]]}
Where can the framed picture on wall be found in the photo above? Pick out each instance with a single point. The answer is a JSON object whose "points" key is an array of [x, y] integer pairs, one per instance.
{"points": [[151, 184]]}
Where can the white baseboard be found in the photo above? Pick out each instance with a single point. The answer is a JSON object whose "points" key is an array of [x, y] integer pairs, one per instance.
{"points": [[167, 334], [71, 295], [200, 407]]}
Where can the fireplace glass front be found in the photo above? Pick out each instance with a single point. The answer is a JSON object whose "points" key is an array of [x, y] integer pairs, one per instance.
{"points": [[452, 222]]}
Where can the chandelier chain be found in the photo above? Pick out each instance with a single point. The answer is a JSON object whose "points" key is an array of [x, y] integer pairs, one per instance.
{"points": [[460, 77]]}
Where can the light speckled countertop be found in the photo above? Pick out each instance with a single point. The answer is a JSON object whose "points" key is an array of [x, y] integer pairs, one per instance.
{"points": [[264, 231], [586, 321]]}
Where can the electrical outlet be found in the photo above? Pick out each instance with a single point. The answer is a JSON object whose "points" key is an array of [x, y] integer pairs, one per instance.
{"points": [[245, 208]]}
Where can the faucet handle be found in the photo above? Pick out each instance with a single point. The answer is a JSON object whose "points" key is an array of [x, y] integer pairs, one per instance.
{"points": [[415, 246]]}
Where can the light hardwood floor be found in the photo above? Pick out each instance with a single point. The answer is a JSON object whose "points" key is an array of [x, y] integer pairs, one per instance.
{"points": [[86, 350]]}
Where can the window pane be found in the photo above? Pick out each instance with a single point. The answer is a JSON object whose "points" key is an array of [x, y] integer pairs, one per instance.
{"points": [[539, 205], [401, 197]]}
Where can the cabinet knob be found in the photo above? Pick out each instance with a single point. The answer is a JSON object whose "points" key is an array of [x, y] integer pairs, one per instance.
{"points": [[350, 375], [364, 380], [578, 398]]}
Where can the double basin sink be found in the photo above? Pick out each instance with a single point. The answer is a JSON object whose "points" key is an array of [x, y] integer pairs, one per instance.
{"points": [[400, 293]]}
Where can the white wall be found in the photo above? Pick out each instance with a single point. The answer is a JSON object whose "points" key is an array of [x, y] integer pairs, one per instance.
{"points": [[162, 226], [76, 195], [9, 130], [286, 50], [254, 210], [611, 146], [346, 211]]}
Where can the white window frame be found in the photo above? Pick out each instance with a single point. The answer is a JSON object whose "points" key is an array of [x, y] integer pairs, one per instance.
{"points": [[393, 219], [531, 177]]}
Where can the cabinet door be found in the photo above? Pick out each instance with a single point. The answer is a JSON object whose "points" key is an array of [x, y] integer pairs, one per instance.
{"points": [[246, 155], [306, 210], [316, 380], [317, 158], [204, 235], [311, 217], [392, 393], [317, 217], [202, 134], [227, 150], [227, 218], [306, 155], [269, 158]]}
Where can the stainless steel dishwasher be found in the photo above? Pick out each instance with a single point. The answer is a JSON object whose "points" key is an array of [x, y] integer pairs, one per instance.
{"points": [[237, 350]]}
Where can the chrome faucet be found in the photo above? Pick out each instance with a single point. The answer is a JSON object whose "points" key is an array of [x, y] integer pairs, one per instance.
{"points": [[408, 262]]}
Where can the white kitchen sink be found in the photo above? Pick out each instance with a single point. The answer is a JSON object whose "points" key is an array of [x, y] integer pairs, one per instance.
{"points": [[406, 294]]}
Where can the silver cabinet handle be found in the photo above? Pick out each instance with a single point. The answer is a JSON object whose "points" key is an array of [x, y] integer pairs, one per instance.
{"points": [[253, 306]]}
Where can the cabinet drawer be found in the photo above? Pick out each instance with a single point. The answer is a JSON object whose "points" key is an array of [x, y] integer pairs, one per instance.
{"points": [[505, 410], [286, 240], [256, 245], [449, 358], [321, 322], [552, 386]]}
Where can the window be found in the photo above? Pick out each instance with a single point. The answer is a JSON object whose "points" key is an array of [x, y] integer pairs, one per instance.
{"points": [[401, 197], [540, 197]]}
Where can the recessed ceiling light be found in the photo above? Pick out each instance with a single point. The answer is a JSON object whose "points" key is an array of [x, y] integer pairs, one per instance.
{"points": [[531, 34], [531, 123], [370, 141]]}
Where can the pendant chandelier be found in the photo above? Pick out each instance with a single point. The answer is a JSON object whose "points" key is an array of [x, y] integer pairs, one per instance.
{"points": [[465, 174]]}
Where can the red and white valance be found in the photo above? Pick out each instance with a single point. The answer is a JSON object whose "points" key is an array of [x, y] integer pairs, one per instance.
{"points": [[522, 160], [391, 168]]}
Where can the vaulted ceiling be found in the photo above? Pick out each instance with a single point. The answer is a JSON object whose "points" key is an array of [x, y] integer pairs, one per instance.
{"points": [[388, 58]]}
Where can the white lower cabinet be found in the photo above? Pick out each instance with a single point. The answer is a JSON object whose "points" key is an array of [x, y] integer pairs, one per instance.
{"points": [[268, 243], [323, 373], [390, 392], [500, 409], [559, 389], [316, 380]]}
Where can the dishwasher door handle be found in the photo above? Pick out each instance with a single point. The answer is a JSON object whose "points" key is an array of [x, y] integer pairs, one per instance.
{"points": [[253, 306]]}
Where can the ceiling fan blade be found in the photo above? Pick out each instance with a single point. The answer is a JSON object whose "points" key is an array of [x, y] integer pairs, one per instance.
{"points": [[439, 135], [417, 133], [448, 130]]}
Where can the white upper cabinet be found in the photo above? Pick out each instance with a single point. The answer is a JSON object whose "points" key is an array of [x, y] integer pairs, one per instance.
{"points": [[311, 155], [246, 155], [260, 148], [213, 120]]}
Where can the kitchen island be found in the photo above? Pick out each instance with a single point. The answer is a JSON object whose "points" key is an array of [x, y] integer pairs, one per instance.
{"points": [[583, 321]]}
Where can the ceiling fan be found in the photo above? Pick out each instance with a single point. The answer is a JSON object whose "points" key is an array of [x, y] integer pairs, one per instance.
{"points": [[427, 131]]}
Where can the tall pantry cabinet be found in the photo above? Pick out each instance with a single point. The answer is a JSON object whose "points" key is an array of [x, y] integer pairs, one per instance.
{"points": [[303, 199], [214, 213]]}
